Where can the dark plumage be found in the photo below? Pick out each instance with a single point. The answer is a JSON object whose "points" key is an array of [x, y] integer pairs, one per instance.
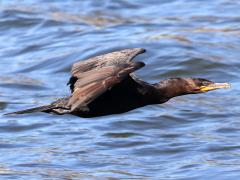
{"points": [[105, 85]]}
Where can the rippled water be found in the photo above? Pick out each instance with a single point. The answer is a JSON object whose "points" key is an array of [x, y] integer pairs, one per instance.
{"points": [[189, 137]]}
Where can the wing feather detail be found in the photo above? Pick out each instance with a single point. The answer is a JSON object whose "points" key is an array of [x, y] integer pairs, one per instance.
{"points": [[88, 90], [93, 77]]}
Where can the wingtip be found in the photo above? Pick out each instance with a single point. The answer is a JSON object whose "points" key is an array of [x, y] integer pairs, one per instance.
{"points": [[140, 64], [130, 54], [133, 51], [142, 50], [139, 50]]}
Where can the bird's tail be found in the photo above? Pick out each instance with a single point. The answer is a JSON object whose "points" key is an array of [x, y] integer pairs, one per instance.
{"points": [[45, 108]]}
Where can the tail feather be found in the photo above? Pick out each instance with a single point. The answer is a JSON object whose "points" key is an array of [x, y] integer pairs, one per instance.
{"points": [[31, 110]]}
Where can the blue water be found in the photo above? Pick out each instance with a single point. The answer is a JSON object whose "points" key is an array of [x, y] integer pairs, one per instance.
{"points": [[189, 137]]}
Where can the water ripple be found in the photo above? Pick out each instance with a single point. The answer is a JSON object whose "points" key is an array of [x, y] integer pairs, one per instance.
{"points": [[189, 137]]}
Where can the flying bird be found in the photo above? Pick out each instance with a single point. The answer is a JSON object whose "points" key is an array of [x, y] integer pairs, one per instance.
{"points": [[106, 84]]}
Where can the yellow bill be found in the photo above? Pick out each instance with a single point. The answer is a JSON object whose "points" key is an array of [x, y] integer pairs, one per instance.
{"points": [[214, 86]]}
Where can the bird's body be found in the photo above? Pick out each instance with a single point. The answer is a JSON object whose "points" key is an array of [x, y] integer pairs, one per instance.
{"points": [[105, 85]]}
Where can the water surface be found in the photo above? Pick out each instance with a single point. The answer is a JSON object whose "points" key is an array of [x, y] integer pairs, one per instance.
{"points": [[189, 137]]}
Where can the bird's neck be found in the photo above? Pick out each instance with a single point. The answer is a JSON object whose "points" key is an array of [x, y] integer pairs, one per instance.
{"points": [[170, 88]]}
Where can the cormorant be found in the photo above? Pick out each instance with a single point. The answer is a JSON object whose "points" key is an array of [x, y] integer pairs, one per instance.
{"points": [[105, 85]]}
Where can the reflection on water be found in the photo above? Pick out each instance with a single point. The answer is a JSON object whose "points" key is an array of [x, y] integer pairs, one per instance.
{"points": [[189, 137]]}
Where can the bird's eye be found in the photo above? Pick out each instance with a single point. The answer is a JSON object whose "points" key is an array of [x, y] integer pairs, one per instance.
{"points": [[205, 83]]}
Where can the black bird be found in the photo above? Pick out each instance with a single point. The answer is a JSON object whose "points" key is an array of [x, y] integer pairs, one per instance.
{"points": [[105, 85]]}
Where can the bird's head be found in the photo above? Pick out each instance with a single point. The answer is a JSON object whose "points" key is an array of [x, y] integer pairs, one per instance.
{"points": [[181, 86], [200, 85]]}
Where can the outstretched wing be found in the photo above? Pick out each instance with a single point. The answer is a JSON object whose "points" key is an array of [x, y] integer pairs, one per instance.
{"points": [[93, 77]]}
